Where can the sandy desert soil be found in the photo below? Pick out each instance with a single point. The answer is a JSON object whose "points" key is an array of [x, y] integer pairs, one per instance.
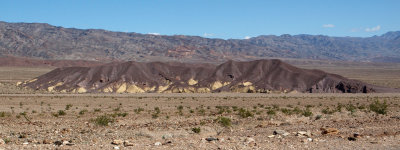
{"points": [[235, 121]]}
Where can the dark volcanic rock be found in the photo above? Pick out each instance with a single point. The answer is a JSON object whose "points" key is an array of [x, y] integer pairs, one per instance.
{"points": [[261, 76]]}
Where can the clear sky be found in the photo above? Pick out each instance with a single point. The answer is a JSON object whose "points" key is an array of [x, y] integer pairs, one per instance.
{"points": [[226, 19]]}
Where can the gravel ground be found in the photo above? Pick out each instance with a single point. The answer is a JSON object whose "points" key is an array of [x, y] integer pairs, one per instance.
{"points": [[49, 121]]}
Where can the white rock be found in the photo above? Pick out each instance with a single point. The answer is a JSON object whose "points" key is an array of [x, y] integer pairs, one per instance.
{"points": [[117, 142], [286, 134], [167, 136], [25, 143], [271, 136], [310, 139], [2, 142], [157, 143], [116, 147]]}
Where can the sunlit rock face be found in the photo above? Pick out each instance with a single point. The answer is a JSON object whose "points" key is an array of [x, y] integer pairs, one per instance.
{"points": [[260, 76]]}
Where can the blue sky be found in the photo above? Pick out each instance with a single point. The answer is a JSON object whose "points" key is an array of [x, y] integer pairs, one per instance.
{"points": [[226, 19]]}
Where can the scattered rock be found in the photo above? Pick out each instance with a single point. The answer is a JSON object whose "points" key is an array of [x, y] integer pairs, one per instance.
{"points": [[47, 141], [117, 142], [21, 136], [127, 143], [250, 142], [58, 143], [209, 139], [395, 117], [330, 131], [70, 144], [356, 135], [277, 132], [303, 133], [168, 142], [157, 144], [65, 142], [351, 138], [281, 132], [167, 136], [2, 142]]}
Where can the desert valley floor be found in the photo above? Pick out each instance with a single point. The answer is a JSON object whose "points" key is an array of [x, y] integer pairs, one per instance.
{"points": [[30, 120]]}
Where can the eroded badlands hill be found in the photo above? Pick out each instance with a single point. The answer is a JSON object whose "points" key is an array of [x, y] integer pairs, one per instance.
{"points": [[261, 76]]}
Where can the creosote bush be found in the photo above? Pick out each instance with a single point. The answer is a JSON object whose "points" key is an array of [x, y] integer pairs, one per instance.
{"points": [[103, 120], [245, 113], [68, 106], [138, 110], [61, 113], [223, 121], [196, 130], [307, 113], [378, 107], [82, 112]]}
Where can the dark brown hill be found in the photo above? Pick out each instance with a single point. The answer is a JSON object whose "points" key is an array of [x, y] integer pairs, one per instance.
{"points": [[263, 76]]}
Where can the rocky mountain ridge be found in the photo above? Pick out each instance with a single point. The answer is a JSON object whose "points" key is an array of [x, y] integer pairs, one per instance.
{"points": [[44, 41]]}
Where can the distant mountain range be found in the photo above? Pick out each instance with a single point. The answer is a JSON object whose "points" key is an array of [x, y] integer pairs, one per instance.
{"points": [[44, 41]]}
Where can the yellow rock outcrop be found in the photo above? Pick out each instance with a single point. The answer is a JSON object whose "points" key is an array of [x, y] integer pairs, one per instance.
{"points": [[134, 89], [192, 81]]}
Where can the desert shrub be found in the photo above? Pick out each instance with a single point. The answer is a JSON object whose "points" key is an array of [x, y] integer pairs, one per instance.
{"points": [[196, 130], [6, 141], [318, 117], [235, 108], [225, 122], [138, 110], [275, 106], [180, 110], [327, 111], [286, 111], [378, 107], [68, 106], [97, 110], [339, 107], [156, 113], [4, 114], [201, 111], [103, 120], [154, 116], [117, 109], [271, 112], [124, 114], [307, 112], [61, 113], [350, 107], [222, 109], [245, 113], [180, 107], [83, 111], [157, 110]]}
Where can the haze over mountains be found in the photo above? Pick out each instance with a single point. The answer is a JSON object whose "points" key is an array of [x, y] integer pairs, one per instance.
{"points": [[38, 40]]}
